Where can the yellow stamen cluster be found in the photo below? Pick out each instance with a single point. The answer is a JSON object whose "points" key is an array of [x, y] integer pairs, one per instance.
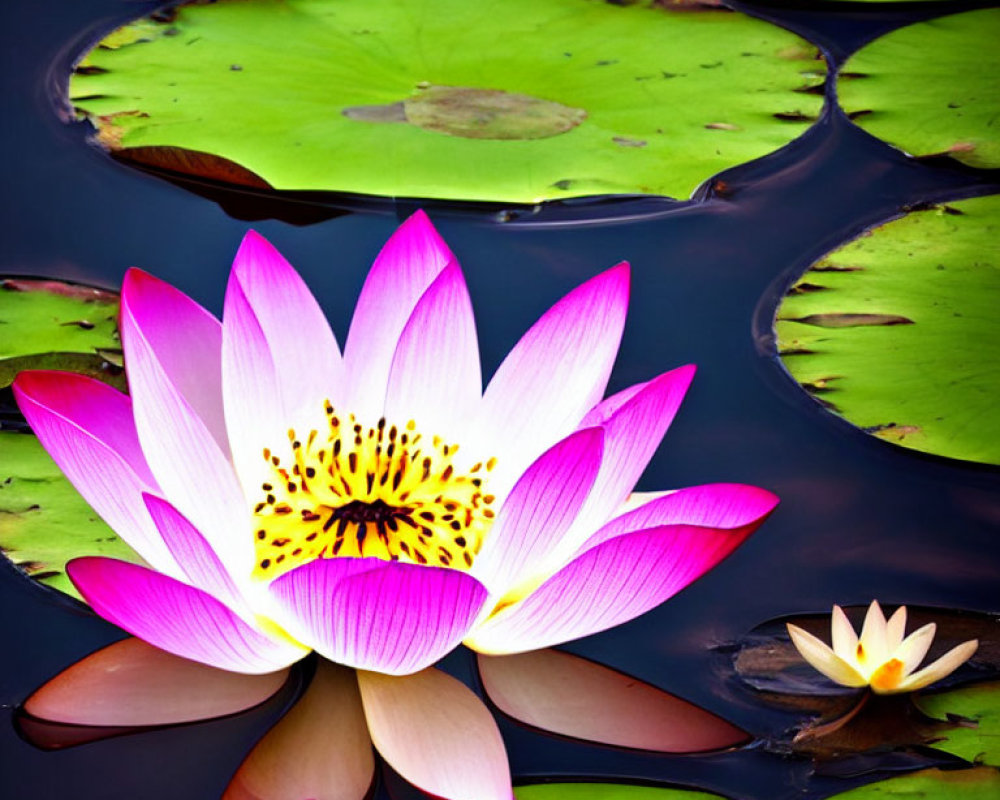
{"points": [[379, 492]]}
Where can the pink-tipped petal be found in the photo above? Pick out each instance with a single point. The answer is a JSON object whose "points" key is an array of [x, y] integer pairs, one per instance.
{"points": [[936, 670], [173, 350], [727, 506], [176, 617], [194, 555], [633, 431], [437, 734], [843, 637], [410, 261], [556, 372], [87, 428], [540, 509], [872, 650], [572, 696], [132, 683], [823, 659], [280, 360], [895, 629], [372, 614], [914, 647], [607, 585], [435, 377], [319, 750]]}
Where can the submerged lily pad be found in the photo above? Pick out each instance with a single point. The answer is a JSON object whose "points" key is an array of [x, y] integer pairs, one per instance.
{"points": [[55, 325], [979, 783], [508, 100], [606, 791], [931, 88], [898, 331], [43, 520]]}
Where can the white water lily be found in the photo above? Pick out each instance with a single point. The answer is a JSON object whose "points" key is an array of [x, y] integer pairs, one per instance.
{"points": [[881, 658]]}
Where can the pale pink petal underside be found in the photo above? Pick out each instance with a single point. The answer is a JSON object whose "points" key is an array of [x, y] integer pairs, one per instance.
{"points": [[173, 349], [555, 373], [194, 555], [607, 585], [176, 617], [435, 377], [372, 614], [133, 683], [437, 734], [409, 262], [539, 510], [87, 428], [571, 696], [320, 750], [819, 655]]}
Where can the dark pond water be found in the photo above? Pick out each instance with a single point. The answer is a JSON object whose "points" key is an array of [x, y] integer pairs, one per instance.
{"points": [[859, 518]]}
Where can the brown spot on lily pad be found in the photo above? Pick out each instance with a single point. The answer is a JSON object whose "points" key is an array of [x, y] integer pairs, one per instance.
{"points": [[475, 113], [834, 320]]}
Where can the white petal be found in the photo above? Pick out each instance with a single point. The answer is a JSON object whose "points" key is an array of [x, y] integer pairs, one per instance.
{"points": [[822, 658]]}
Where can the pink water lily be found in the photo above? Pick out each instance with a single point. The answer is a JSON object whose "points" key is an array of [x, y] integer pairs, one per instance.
{"points": [[378, 506]]}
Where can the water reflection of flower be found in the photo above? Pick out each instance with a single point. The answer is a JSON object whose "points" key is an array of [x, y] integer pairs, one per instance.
{"points": [[378, 508], [881, 658]]}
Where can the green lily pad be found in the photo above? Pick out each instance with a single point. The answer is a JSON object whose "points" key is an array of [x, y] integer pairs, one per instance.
{"points": [[979, 783], [55, 325], [931, 88], [977, 738], [43, 520], [514, 100], [898, 332], [606, 791]]}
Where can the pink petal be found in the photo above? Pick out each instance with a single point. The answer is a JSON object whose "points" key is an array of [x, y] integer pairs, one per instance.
{"points": [[279, 356], [727, 506], [372, 614], [88, 430], [194, 555], [173, 350], [176, 617], [132, 683], [556, 372], [633, 432], [572, 696], [320, 749], [437, 734], [407, 265], [607, 585], [540, 509], [435, 377]]}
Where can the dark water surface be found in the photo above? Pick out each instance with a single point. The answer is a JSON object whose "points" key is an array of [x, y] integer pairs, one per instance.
{"points": [[859, 518]]}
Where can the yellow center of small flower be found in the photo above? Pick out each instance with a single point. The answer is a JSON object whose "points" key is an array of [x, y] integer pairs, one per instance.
{"points": [[381, 492], [888, 676]]}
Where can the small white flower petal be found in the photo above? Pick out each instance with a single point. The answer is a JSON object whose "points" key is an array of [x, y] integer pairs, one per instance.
{"points": [[822, 658], [914, 647], [895, 629], [843, 637], [945, 665], [872, 651]]}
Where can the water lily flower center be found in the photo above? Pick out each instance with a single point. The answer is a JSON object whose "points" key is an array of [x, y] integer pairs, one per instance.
{"points": [[383, 492]]}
